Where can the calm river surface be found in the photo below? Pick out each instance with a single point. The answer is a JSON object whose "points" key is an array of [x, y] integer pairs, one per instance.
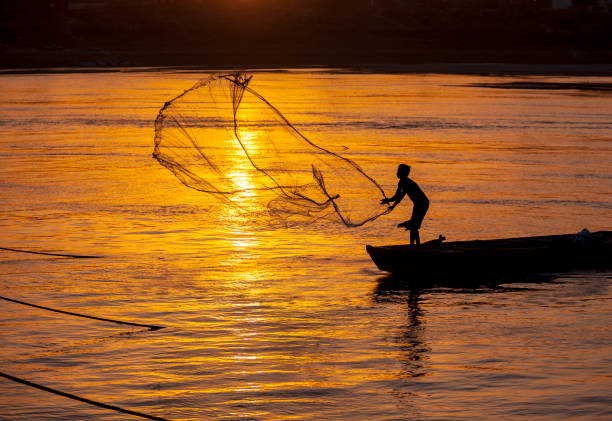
{"points": [[269, 323]]}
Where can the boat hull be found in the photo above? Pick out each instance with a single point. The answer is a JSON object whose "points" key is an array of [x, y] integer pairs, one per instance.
{"points": [[464, 260]]}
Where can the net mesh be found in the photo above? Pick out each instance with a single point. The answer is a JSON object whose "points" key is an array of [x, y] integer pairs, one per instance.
{"points": [[223, 138]]}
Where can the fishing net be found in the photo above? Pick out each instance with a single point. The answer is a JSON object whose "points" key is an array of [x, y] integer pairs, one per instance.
{"points": [[223, 138]]}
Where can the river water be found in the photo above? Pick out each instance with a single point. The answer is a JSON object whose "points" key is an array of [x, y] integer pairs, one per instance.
{"points": [[274, 323]]}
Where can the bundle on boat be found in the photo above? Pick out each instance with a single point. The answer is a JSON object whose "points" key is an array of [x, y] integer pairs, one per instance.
{"points": [[463, 260]]}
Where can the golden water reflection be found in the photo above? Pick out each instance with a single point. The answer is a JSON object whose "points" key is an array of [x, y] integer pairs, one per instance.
{"points": [[268, 322]]}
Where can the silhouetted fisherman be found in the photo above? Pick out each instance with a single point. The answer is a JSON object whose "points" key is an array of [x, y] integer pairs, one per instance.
{"points": [[406, 186]]}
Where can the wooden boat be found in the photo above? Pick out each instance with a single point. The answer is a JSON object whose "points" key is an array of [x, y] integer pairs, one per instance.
{"points": [[463, 260]]}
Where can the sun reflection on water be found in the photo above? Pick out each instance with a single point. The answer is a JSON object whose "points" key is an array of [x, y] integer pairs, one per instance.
{"points": [[275, 324]]}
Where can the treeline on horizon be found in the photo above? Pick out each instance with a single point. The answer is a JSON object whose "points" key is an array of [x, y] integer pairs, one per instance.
{"points": [[204, 31]]}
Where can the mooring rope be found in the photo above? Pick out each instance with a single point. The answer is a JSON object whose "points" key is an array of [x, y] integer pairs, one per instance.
{"points": [[74, 256], [78, 398], [151, 327]]}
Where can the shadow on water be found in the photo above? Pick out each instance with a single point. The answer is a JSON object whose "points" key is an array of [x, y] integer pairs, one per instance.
{"points": [[412, 339], [393, 283]]}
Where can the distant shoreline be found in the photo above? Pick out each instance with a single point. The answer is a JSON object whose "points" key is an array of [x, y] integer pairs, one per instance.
{"points": [[347, 35], [510, 69]]}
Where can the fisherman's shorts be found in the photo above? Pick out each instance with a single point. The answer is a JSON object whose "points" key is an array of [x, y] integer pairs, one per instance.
{"points": [[418, 213]]}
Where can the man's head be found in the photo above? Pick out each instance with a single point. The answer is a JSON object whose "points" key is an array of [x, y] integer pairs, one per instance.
{"points": [[403, 171]]}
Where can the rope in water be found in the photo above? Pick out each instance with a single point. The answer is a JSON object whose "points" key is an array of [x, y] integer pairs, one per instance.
{"points": [[150, 327], [74, 256], [78, 398]]}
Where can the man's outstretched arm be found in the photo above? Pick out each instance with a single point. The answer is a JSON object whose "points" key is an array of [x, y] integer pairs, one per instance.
{"points": [[396, 198]]}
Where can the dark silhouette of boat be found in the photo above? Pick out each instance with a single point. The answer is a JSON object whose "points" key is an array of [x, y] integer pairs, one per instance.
{"points": [[501, 258]]}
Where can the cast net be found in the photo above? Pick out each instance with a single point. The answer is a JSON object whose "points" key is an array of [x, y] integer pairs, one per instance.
{"points": [[223, 138]]}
